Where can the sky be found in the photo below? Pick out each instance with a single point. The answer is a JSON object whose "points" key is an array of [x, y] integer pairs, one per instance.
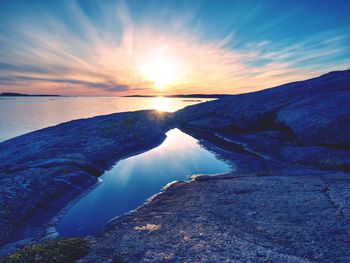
{"points": [[115, 48]]}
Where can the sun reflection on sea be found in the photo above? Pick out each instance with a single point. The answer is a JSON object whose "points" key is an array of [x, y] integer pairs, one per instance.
{"points": [[163, 104]]}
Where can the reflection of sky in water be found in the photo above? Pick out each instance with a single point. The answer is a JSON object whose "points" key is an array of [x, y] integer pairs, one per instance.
{"points": [[131, 181], [20, 115]]}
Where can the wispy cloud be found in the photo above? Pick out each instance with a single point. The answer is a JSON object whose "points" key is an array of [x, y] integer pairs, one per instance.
{"points": [[76, 54]]}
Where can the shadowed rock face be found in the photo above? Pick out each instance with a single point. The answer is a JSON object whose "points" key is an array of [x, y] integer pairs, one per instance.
{"points": [[41, 171], [314, 113]]}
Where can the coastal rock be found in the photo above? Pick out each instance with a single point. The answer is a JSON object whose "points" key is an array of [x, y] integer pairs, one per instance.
{"points": [[42, 171], [297, 108], [322, 119], [251, 218], [287, 202], [311, 113]]}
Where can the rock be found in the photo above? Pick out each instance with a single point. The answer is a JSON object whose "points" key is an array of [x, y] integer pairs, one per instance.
{"points": [[315, 111], [42, 171], [247, 219], [66, 250], [287, 202], [311, 116], [322, 119]]}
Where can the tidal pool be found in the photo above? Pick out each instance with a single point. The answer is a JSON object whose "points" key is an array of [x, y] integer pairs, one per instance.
{"points": [[133, 180]]}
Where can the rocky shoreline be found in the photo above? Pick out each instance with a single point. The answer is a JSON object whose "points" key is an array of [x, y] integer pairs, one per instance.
{"points": [[288, 201], [42, 171]]}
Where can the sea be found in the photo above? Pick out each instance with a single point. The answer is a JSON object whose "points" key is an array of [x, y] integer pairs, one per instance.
{"points": [[20, 115]]}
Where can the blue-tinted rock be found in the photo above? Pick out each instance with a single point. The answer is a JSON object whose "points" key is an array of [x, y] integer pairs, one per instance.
{"points": [[42, 171], [315, 111]]}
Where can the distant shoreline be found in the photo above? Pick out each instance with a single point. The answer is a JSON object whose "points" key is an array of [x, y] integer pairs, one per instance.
{"points": [[181, 96], [9, 94], [185, 96]]}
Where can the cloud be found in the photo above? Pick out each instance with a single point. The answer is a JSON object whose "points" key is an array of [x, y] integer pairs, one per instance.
{"points": [[76, 54], [25, 81]]}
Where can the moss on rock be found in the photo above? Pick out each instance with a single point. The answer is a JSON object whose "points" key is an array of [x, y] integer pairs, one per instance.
{"points": [[62, 251]]}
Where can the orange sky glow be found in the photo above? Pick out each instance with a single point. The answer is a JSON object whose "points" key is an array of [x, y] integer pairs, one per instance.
{"points": [[142, 58]]}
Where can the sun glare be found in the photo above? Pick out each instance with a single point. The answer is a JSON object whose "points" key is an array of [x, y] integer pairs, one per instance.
{"points": [[160, 69], [162, 104]]}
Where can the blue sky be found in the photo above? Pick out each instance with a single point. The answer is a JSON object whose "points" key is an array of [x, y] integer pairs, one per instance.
{"points": [[167, 47]]}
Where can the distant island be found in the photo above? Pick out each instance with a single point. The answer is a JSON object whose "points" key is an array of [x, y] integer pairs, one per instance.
{"points": [[12, 94], [182, 96]]}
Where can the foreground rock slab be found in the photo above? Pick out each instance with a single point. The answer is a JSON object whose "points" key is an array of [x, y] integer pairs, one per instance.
{"points": [[276, 218]]}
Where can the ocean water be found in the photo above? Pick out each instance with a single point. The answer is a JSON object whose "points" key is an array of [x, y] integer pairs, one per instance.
{"points": [[133, 180], [20, 115]]}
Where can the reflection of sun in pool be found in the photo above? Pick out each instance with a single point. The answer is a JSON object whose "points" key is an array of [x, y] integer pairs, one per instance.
{"points": [[161, 104]]}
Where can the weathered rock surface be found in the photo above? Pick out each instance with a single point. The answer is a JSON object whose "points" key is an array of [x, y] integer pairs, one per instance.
{"points": [[42, 171], [249, 218]]}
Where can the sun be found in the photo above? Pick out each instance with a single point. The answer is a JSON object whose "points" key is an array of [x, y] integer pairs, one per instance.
{"points": [[160, 69]]}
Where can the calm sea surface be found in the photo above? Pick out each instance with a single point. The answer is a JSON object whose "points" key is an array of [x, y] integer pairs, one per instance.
{"points": [[20, 115]]}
